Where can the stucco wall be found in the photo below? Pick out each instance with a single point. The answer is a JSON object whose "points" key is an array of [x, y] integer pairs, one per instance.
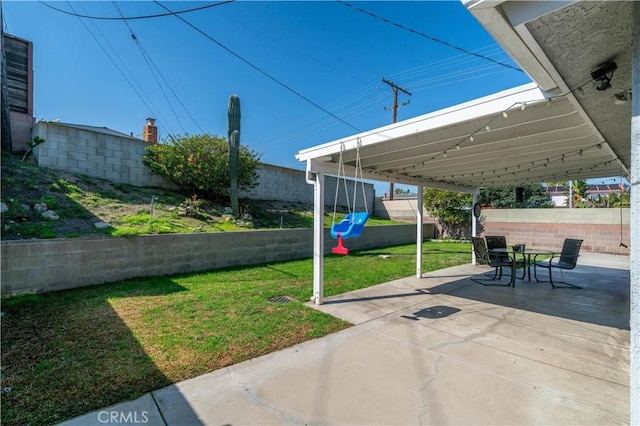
{"points": [[36, 266]]}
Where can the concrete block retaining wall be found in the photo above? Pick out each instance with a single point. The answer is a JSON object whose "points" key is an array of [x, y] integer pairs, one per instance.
{"points": [[37, 266], [289, 185], [400, 209], [104, 154]]}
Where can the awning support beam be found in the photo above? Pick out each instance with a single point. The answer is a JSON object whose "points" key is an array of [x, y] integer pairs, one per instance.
{"points": [[317, 180]]}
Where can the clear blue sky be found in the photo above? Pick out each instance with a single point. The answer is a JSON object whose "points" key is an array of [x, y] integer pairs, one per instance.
{"points": [[327, 52]]}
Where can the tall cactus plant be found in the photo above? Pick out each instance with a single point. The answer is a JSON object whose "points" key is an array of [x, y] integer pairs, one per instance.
{"points": [[233, 134]]}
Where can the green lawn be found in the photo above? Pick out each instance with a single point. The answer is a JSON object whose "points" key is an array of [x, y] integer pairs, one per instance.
{"points": [[67, 353]]}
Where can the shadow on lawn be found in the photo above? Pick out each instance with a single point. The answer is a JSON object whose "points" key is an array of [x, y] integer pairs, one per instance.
{"points": [[69, 353], [432, 251]]}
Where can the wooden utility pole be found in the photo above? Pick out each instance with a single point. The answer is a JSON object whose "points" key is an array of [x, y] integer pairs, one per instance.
{"points": [[394, 108]]}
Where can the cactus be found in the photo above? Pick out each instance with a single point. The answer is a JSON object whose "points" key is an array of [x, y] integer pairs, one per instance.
{"points": [[233, 134]]}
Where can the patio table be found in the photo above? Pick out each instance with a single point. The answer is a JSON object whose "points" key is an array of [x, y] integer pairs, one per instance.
{"points": [[526, 256]]}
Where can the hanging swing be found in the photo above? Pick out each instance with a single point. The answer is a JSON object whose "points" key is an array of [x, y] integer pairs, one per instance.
{"points": [[353, 223]]}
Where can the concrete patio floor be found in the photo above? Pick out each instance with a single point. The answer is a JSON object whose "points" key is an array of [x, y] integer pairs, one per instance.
{"points": [[437, 350]]}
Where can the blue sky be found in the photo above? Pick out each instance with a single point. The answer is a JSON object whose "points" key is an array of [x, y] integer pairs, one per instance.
{"points": [[327, 52]]}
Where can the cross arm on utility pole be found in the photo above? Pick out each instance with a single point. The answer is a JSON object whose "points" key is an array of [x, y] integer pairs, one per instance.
{"points": [[394, 108]]}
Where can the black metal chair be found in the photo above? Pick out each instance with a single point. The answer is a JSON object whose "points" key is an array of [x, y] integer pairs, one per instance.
{"points": [[568, 260], [500, 242], [484, 257]]}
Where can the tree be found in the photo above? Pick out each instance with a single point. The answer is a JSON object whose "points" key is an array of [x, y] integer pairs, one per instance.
{"points": [[614, 200], [580, 193], [505, 197], [201, 164], [623, 199], [451, 210]]}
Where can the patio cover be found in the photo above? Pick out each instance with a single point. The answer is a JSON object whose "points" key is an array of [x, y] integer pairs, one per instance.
{"points": [[580, 133], [518, 136]]}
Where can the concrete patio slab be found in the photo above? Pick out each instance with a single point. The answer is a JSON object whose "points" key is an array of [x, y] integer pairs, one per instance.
{"points": [[437, 350]]}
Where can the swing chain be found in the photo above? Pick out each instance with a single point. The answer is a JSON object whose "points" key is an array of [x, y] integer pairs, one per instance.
{"points": [[342, 175]]}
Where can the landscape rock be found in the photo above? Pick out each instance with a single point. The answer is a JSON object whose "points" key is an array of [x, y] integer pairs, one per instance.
{"points": [[40, 207], [228, 210], [227, 217], [247, 216], [25, 207], [50, 215], [3, 207], [101, 225]]}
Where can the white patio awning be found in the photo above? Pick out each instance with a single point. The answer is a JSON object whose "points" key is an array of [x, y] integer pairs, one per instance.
{"points": [[518, 136]]}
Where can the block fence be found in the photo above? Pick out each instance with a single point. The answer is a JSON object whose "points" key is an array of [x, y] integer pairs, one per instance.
{"points": [[116, 157], [38, 266], [601, 229], [100, 154]]}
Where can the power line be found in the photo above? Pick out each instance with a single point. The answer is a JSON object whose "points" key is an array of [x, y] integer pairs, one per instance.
{"points": [[421, 34], [367, 98], [125, 18], [122, 72], [124, 65], [269, 76], [149, 63], [455, 62]]}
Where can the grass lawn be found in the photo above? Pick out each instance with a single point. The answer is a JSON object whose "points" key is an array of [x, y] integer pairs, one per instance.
{"points": [[70, 352]]}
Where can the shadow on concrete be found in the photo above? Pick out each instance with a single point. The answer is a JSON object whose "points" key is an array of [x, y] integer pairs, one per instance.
{"points": [[434, 312], [418, 292], [68, 353], [604, 300]]}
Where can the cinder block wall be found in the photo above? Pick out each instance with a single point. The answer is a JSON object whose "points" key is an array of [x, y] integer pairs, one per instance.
{"points": [[119, 160], [105, 156], [37, 266], [402, 209], [289, 185], [547, 228]]}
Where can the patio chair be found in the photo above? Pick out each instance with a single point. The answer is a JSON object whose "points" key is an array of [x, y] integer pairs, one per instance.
{"points": [[500, 241], [484, 257], [568, 260]]}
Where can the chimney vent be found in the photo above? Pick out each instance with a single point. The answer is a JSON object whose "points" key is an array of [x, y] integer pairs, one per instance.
{"points": [[150, 131]]}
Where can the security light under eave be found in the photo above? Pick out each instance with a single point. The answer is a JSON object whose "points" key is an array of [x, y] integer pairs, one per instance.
{"points": [[604, 73], [621, 98]]}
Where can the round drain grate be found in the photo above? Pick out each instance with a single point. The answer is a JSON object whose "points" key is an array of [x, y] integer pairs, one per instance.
{"points": [[279, 299]]}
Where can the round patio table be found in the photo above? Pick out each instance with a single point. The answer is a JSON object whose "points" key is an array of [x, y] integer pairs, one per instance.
{"points": [[526, 256]]}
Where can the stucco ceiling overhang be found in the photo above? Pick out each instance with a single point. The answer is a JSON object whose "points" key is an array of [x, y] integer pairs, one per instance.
{"points": [[559, 43]]}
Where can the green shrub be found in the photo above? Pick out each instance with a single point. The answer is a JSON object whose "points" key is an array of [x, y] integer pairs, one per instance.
{"points": [[51, 202], [201, 163]]}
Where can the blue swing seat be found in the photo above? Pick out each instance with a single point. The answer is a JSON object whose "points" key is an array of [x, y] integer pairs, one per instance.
{"points": [[351, 226]]}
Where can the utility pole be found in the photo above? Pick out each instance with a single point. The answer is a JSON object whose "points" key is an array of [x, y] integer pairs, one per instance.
{"points": [[394, 108]]}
